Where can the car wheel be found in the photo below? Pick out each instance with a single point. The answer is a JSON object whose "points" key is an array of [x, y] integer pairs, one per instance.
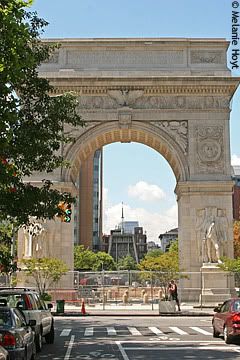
{"points": [[38, 340], [215, 332], [50, 336], [227, 337]]}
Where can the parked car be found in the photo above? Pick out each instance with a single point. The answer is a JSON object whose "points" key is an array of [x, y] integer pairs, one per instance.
{"points": [[33, 308], [16, 335], [4, 354], [226, 320]]}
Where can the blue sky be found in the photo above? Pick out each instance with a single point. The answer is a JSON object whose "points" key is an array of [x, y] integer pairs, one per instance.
{"points": [[133, 173]]}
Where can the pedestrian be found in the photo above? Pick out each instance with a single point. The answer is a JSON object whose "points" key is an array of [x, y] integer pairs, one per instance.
{"points": [[173, 293]]}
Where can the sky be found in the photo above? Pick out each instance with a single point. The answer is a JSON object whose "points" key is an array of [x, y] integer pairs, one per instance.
{"points": [[135, 174]]}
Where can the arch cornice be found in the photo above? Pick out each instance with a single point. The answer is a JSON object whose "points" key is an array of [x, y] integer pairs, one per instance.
{"points": [[140, 132], [181, 85]]}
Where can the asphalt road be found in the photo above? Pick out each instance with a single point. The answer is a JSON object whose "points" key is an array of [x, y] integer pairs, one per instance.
{"points": [[136, 338]]}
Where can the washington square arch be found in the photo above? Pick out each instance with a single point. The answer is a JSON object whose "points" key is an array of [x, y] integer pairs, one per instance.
{"points": [[170, 94]]}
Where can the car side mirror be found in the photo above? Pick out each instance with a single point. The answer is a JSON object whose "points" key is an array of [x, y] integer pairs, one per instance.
{"points": [[216, 309], [32, 322], [50, 306]]}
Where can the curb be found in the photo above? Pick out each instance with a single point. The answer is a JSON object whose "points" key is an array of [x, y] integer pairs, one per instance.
{"points": [[174, 314]]}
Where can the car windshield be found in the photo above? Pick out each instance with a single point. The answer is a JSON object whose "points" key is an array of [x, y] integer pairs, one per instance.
{"points": [[5, 318], [236, 306], [13, 300]]}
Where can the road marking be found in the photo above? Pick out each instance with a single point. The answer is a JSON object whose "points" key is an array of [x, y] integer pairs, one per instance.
{"points": [[69, 349], [134, 331], [111, 331], [204, 332], [177, 330], [65, 332], [155, 330], [208, 347], [122, 351], [88, 331], [200, 342]]}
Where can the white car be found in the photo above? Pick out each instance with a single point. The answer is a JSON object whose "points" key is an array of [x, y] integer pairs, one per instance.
{"points": [[33, 308]]}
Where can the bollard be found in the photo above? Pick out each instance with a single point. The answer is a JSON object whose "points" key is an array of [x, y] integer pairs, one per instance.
{"points": [[109, 294], [160, 292], [125, 298], [145, 298]]}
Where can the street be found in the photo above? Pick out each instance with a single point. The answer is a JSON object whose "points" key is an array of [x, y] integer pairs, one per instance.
{"points": [[136, 338]]}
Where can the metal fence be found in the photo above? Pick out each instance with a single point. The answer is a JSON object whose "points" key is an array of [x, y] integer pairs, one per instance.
{"points": [[107, 288]]}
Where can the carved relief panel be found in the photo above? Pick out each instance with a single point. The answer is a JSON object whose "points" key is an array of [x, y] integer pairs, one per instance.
{"points": [[209, 149]]}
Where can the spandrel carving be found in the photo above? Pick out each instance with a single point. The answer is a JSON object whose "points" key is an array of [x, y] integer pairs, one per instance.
{"points": [[178, 130]]}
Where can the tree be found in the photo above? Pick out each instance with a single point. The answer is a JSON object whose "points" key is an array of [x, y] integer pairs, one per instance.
{"points": [[236, 238], [7, 257], [103, 261], [161, 269], [85, 259], [45, 272], [127, 263], [153, 253], [32, 121]]}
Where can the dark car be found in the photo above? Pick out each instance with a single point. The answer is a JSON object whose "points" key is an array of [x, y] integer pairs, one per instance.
{"points": [[30, 303], [226, 320], [4, 354], [16, 335]]}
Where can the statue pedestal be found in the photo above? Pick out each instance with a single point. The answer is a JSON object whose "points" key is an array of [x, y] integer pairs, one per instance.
{"points": [[217, 285]]}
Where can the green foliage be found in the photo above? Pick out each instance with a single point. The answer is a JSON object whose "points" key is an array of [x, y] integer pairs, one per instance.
{"points": [[173, 247], [127, 263], [103, 261], [32, 121], [232, 266], [85, 259], [44, 271], [8, 262], [153, 253], [162, 268]]}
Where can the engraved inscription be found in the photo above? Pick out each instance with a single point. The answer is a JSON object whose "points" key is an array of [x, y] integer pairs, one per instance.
{"points": [[123, 59], [207, 57]]}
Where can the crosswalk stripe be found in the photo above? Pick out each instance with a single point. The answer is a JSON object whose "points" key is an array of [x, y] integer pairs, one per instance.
{"points": [[178, 331], [134, 331], [204, 332], [88, 331], [155, 330], [65, 332], [111, 331]]}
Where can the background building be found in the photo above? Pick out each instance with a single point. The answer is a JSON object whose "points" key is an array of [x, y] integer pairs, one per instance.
{"points": [[236, 192], [167, 238], [89, 231]]}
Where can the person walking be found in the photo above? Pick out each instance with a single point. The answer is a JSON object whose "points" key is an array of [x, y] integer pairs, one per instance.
{"points": [[173, 293]]}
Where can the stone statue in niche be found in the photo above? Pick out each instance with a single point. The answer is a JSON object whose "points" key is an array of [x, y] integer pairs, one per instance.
{"points": [[212, 230]]}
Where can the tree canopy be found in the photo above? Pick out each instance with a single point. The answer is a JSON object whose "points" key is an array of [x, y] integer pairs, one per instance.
{"points": [[32, 121], [127, 263], [45, 272], [85, 259]]}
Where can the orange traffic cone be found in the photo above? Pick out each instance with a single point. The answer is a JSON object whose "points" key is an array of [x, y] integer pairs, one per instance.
{"points": [[83, 311]]}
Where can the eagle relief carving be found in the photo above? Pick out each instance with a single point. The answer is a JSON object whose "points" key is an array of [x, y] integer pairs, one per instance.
{"points": [[125, 97]]}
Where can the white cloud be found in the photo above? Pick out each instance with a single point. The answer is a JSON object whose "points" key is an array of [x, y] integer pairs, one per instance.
{"points": [[235, 160], [153, 223], [146, 192]]}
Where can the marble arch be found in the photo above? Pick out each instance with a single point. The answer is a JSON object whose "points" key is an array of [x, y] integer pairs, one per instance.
{"points": [[170, 94], [147, 134]]}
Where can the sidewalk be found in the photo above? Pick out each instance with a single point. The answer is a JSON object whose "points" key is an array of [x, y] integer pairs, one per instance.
{"points": [[113, 309]]}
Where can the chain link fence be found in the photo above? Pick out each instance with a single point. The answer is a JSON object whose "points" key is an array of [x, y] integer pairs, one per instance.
{"points": [[138, 288]]}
